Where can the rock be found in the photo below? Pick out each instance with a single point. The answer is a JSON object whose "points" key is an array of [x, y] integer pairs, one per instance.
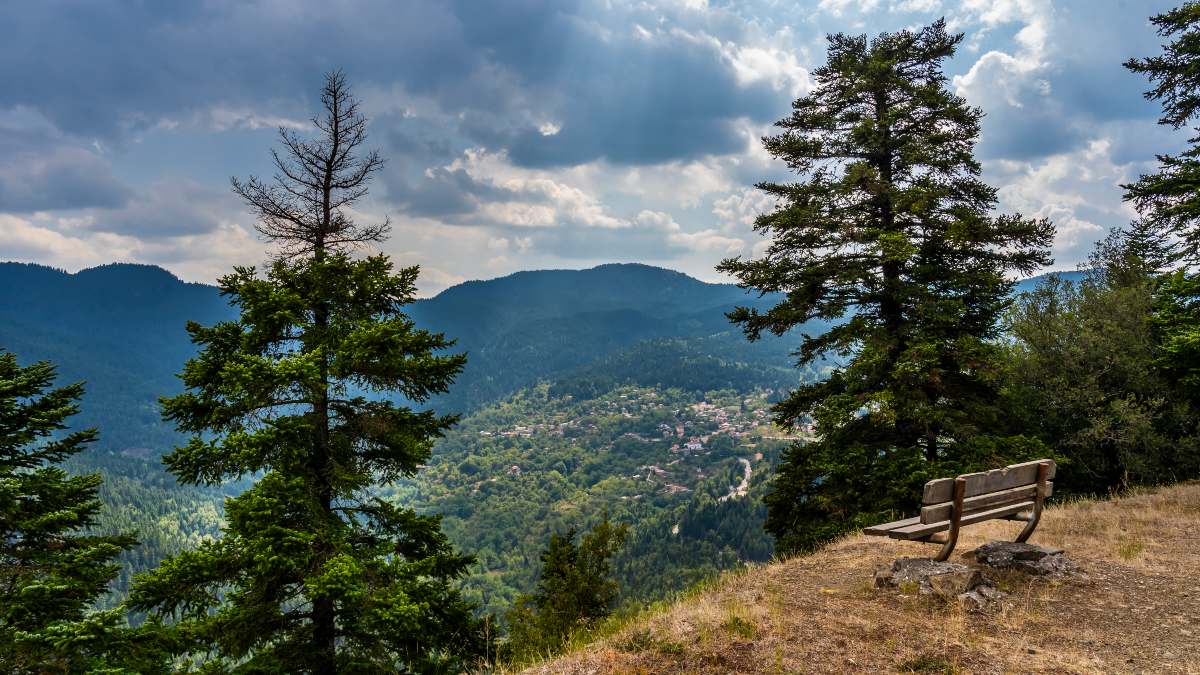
{"points": [[1004, 553], [1031, 558], [928, 577], [982, 598], [990, 592], [951, 584]]}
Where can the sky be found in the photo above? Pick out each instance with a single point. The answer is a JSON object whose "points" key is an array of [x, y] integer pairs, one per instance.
{"points": [[523, 134]]}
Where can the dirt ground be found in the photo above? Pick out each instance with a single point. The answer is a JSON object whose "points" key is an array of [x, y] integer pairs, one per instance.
{"points": [[1133, 607]]}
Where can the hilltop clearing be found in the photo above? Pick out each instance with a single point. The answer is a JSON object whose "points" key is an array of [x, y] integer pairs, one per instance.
{"points": [[1133, 607]]}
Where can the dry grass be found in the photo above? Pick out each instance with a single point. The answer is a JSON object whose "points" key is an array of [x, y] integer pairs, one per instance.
{"points": [[1135, 607]]}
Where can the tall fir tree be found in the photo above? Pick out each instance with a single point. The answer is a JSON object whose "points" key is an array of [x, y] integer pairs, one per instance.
{"points": [[52, 570], [314, 573], [1168, 200], [889, 236]]}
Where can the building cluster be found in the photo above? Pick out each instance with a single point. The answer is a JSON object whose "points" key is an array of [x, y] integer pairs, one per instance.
{"points": [[685, 431]]}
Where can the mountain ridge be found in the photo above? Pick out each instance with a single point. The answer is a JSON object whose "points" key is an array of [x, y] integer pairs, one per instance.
{"points": [[120, 327]]}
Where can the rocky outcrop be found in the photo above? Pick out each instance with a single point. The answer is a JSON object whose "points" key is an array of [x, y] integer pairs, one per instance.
{"points": [[1030, 558], [970, 584], [928, 577]]}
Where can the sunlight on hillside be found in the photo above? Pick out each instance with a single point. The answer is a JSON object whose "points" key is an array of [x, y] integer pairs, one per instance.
{"points": [[1133, 608]]}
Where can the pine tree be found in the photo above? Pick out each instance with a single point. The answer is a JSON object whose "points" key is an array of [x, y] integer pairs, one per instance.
{"points": [[52, 571], [575, 590], [1169, 199], [313, 573], [888, 235]]}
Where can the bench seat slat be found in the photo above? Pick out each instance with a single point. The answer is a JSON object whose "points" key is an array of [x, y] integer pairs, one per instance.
{"points": [[919, 530], [938, 512], [942, 489], [880, 530]]}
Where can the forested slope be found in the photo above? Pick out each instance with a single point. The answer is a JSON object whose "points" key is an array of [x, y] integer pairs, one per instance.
{"points": [[613, 353]]}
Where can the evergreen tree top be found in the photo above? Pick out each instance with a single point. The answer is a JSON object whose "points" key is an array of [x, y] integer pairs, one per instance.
{"points": [[888, 212], [1174, 75]]}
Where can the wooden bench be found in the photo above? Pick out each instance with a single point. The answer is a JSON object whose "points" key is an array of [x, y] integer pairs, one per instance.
{"points": [[1015, 492]]}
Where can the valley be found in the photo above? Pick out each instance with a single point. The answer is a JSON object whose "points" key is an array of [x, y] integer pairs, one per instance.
{"points": [[665, 461], [611, 390], [621, 389]]}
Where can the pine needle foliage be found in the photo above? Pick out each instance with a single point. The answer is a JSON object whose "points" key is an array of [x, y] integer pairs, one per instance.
{"points": [[1168, 199], [314, 573], [52, 569], [888, 235], [575, 591]]}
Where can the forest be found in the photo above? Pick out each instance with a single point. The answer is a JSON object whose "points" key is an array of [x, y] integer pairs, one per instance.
{"points": [[307, 469]]}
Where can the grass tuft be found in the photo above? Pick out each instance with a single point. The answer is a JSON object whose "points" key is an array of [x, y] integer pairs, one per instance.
{"points": [[928, 663], [740, 627]]}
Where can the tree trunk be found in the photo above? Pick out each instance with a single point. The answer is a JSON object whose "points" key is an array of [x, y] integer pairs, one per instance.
{"points": [[890, 305], [324, 613]]}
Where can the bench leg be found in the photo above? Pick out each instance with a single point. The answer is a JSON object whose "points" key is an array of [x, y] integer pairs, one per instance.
{"points": [[1043, 471], [960, 488]]}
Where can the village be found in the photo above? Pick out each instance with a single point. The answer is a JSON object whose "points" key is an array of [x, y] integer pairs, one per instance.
{"points": [[660, 442]]}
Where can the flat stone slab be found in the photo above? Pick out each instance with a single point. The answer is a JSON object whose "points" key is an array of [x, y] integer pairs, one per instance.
{"points": [[1031, 558], [929, 577]]}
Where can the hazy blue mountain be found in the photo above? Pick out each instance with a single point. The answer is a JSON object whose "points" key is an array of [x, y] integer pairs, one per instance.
{"points": [[120, 327]]}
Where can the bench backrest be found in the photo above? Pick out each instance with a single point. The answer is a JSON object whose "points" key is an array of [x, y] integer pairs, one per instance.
{"points": [[985, 490]]}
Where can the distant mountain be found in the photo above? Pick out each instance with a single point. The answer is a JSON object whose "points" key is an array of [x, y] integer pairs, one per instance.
{"points": [[120, 327], [1026, 285], [530, 325]]}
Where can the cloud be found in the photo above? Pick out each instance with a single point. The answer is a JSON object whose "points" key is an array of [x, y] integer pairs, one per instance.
{"points": [[41, 170], [168, 208], [23, 240], [1058, 77], [840, 7], [738, 211], [1078, 191], [703, 241], [58, 178], [676, 96], [531, 133]]}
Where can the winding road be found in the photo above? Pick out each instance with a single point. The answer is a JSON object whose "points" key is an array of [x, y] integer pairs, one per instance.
{"points": [[741, 488]]}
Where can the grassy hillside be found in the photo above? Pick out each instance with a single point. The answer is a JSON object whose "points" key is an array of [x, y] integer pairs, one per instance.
{"points": [[1134, 608]]}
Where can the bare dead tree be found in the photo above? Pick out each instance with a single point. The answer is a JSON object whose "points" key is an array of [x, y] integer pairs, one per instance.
{"points": [[303, 207]]}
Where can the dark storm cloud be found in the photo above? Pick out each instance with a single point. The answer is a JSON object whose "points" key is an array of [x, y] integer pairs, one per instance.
{"points": [[488, 74], [1080, 89], [102, 69], [105, 69], [653, 100], [440, 193], [60, 178], [39, 171], [167, 208]]}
